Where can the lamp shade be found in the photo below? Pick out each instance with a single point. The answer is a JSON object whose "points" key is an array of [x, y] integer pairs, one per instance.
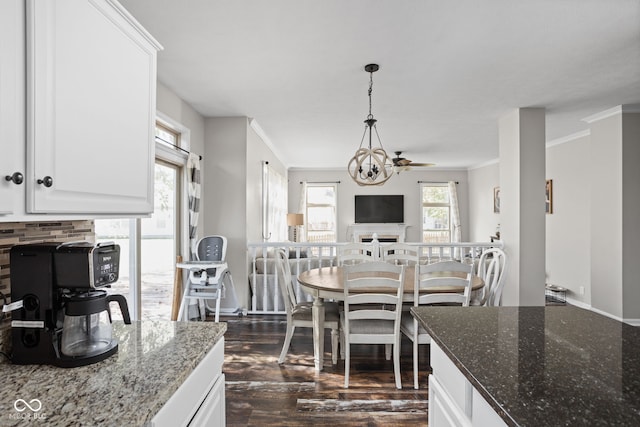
{"points": [[295, 219]]}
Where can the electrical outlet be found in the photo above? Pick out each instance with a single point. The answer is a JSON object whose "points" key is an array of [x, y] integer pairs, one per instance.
{"points": [[581, 290]]}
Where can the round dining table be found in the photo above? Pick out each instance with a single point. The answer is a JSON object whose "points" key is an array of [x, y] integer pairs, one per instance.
{"points": [[327, 283]]}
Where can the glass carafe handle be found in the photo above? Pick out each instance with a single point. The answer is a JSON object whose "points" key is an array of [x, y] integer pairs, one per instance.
{"points": [[124, 307]]}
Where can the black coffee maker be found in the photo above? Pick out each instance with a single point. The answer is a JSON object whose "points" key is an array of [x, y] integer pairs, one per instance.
{"points": [[65, 320]]}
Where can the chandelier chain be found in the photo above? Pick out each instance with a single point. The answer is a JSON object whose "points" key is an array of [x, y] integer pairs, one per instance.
{"points": [[370, 116]]}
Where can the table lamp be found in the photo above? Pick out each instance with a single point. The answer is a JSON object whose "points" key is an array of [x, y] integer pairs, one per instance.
{"points": [[294, 220]]}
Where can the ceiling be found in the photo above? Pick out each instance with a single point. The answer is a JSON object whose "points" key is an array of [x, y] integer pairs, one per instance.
{"points": [[448, 69]]}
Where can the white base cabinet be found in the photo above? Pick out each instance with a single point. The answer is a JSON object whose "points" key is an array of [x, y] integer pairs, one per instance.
{"points": [[200, 401], [77, 112], [453, 401]]}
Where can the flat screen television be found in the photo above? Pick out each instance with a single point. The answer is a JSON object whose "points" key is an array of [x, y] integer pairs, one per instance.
{"points": [[379, 209]]}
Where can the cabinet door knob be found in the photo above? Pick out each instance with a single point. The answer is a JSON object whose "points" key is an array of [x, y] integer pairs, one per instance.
{"points": [[47, 181], [17, 178]]}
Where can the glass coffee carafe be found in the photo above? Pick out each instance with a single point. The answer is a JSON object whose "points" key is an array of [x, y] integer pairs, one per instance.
{"points": [[87, 329]]}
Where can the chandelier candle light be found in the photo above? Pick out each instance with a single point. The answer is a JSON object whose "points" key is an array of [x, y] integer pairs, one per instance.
{"points": [[370, 166]]}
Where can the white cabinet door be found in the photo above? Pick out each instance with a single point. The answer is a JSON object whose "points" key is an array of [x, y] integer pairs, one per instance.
{"points": [[12, 137], [443, 411], [91, 84], [212, 411], [199, 401]]}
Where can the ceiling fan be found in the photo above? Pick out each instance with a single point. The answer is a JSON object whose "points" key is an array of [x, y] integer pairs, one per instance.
{"points": [[401, 164]]}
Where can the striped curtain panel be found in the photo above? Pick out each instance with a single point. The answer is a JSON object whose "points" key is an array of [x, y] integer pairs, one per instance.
{"points": [[193, 188]]}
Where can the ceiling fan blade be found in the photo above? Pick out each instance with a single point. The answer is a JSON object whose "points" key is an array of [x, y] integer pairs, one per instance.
{"points": [[421, 164]]}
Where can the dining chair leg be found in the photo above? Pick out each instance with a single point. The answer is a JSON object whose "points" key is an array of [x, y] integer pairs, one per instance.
{"points": [[335, 337], [347, 356], [396, 365], [387, 351], [287, 341], [415, 363]]}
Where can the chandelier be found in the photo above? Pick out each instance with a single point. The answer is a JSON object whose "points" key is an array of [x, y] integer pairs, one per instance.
{"points": [[370, 166]]}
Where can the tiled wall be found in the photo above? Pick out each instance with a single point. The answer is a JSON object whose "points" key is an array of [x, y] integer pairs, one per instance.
{"points": [[14, 233]]}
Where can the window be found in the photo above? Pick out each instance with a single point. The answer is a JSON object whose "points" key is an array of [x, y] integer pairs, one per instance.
{"points": [[436, 213], [147, 273], [321, 212], [165, 135]]}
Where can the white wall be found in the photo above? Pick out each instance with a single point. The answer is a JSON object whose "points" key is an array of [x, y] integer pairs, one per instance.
{"points": [[568, 236], [606, 214], [257, 152], [232, 207], [172, 106], [224, 203], [405, 183], [631, 215], [482, 220]]}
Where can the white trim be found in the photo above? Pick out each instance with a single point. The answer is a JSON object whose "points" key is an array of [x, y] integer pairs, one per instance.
{"points": [[253, 123], [578, 303], [581, 304], [604, 313], [603, 114], [185, 132], [568, 138], [133, 22], [485, 164]]}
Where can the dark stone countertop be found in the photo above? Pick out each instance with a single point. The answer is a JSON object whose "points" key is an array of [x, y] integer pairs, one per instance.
{"points": [[126, 389], [551, 366]]}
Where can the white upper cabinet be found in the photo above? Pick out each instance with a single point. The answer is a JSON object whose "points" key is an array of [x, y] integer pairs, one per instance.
{"points": [[91, 87], [89, 112], [12, 107]]}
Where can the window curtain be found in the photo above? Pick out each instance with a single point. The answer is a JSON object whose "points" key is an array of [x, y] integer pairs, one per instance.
{"points": [[456, 233], [274, 205], [302, 208], [193, 190]]}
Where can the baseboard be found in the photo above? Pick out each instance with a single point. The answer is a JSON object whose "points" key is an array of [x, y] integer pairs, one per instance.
{"points": [[632, 322], [582, 304], [578, 303]]}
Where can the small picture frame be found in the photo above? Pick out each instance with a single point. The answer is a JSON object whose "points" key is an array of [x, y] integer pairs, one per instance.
{"points": [[496, 199], [548, 197]]}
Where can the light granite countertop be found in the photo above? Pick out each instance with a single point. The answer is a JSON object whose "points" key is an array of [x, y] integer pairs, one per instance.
{"points": [[544, 366], [127, 389]]}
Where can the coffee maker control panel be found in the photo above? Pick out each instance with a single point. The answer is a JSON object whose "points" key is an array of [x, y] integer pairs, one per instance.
{"points": [[84, 265]]}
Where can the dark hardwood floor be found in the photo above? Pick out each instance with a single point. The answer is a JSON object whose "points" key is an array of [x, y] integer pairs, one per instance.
{"points": [[259, 392]]}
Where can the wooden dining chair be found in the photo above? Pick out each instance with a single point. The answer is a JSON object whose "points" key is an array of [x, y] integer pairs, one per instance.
{"points": [[372, 309], [355, 253], [400, 254], [299, 313], [491, 266], [428, 277]]}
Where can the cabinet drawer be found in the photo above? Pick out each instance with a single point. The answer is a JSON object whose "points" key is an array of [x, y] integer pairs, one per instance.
{"points": [[451, 378], [185, 402]]}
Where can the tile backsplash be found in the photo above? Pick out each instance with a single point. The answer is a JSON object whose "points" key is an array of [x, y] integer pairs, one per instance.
{"points": [[18, 233]]}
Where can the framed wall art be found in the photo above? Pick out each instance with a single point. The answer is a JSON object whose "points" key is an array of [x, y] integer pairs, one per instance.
{"points": [[496, 199], [548, 197]]}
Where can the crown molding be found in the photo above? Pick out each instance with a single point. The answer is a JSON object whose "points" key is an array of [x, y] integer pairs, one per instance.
{"points": [[485, 164], [568, 138], [630, 108]]}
